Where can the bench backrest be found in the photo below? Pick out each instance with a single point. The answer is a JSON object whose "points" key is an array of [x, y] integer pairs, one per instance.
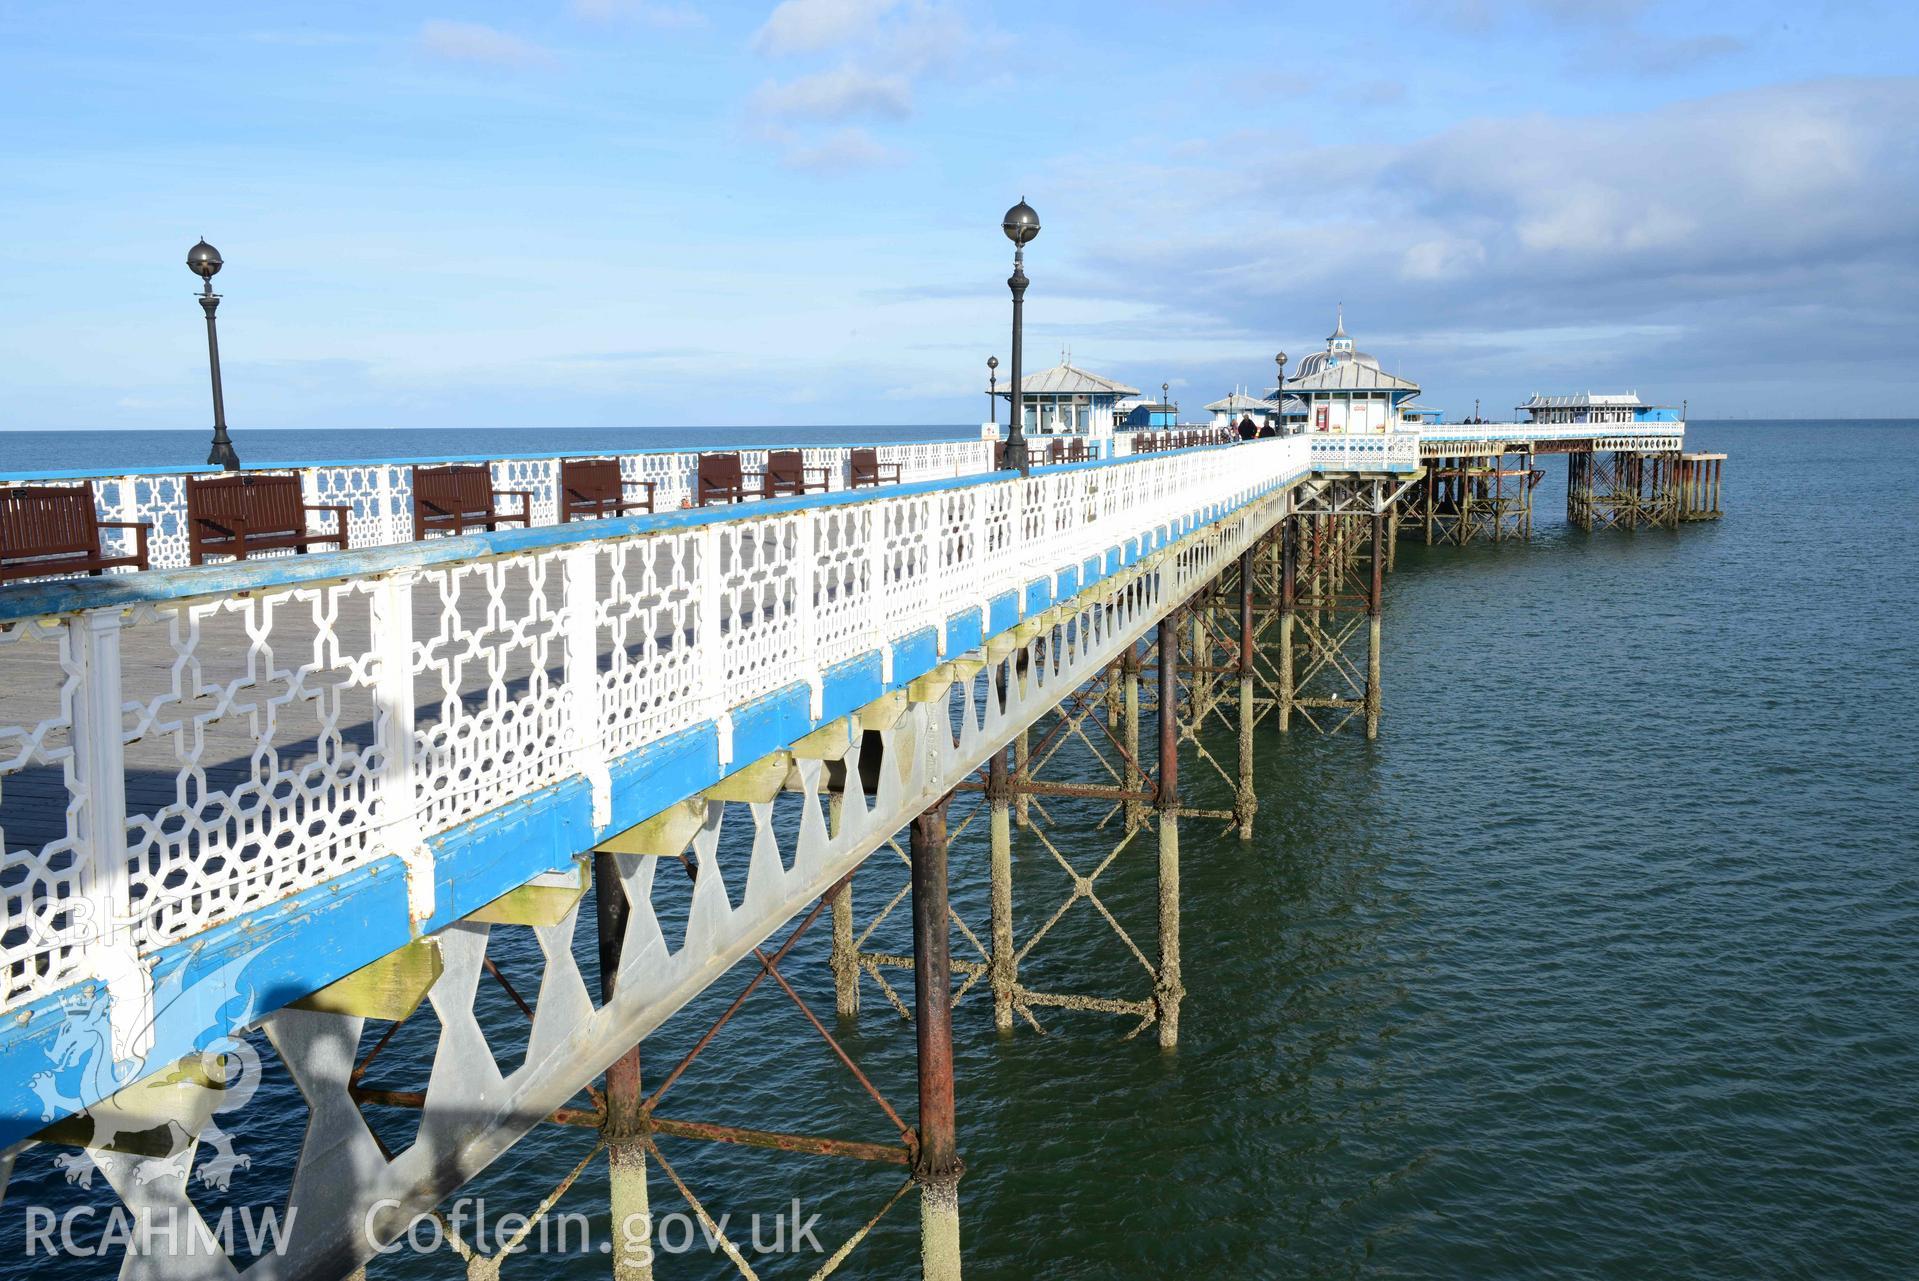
{"points": [[265, 503], [48, 520], [590, 478], [786, 467], [722, 470], [466, 488]]}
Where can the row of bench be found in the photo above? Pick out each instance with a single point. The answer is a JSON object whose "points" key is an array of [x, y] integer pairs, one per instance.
{"points": [[1058, 451], [1150, 442], [55, 529]]}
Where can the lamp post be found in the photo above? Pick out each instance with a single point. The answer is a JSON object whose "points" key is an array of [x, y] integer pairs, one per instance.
{"points": [[204, 260], [992, 388], [1279, 396], [1165, 404], [1020, 224]]}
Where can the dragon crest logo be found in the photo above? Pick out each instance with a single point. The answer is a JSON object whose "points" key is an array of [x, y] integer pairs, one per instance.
{"points": [[162, 1112]]}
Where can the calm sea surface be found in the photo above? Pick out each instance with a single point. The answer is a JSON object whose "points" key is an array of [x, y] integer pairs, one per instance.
{"points": [[1602, 962]]}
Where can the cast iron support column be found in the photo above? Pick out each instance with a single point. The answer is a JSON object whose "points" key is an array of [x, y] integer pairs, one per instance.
{"points": [[1200, 687], [937, 1167], [1245, 804], [1022, 755], [1004, 972], [625, 1126], [1129, 708], [1168, 990], [1374, 595], [844, 959], [1288, 603]]}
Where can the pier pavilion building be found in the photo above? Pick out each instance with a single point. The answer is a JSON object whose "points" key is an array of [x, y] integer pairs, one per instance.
{"points": [[1588, 407], [1230, 411], [1069, 401], [1136, 413], [1344, 389]]}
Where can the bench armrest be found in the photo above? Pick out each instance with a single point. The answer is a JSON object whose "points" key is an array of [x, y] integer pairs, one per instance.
{"points": [[524, 495], [339, 516], [140, 529]]}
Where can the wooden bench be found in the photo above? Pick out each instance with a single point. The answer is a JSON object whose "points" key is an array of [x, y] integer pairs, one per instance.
{"points": [[237, 515], [718, 479], [863, 467], [593, 487], [54, 529], [462, 494], [787, 473]]}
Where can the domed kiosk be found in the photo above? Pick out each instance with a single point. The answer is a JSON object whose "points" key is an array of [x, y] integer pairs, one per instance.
{"points": [[1343, 389]]}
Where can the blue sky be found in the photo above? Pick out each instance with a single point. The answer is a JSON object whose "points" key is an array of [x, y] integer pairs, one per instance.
{"points": [[607, 212]]}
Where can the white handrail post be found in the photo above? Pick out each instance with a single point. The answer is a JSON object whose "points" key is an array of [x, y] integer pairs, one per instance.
{"points": [[806, 543], [981, 496], [310, 495], [391, 516], [99, 753], [926, 559], [876, 576], [400, 832], [581, 694], [712, 642]]}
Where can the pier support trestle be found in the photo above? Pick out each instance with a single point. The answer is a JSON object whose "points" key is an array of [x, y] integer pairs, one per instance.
{"points": [[1094, 731], [1699, 476], [1623, 489], [1483, 495], [1332, 591]]}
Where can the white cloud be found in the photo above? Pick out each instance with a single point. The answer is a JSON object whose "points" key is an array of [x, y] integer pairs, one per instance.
{"points": [[839, 94], [1611, 33], [809, 26], [1442, 258], [660, 16], [882, 51], [1766, 228], [478, 43], [842, 150]]}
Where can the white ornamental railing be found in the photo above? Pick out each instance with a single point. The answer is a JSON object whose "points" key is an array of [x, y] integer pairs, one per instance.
{"points": [[379, 498], [178, 749], [1604, 436], [1385, 452]]}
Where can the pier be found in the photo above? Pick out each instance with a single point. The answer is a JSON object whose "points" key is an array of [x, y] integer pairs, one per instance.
{"points": [[305, 793]]}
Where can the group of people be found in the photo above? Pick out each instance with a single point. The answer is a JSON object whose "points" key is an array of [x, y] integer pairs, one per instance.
{"points": [[1250, 430]]}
